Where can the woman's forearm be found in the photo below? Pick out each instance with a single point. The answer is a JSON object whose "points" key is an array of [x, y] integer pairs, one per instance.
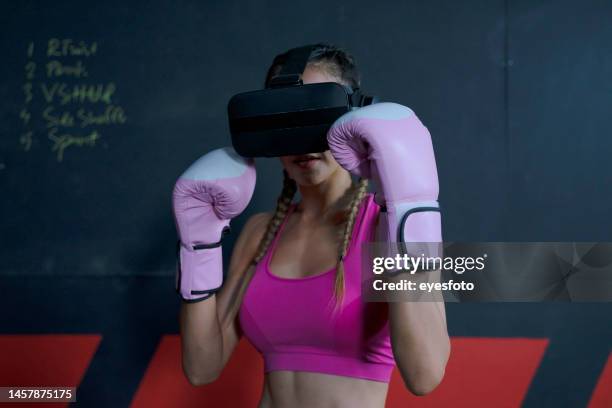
{"points": [[201, 340], [421, 345]]}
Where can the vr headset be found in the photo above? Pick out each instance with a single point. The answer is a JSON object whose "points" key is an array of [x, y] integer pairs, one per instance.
{"points": [[288, 117]]}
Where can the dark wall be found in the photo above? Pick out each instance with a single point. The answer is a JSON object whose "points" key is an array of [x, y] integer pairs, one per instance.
{"points": [[516, 94]]}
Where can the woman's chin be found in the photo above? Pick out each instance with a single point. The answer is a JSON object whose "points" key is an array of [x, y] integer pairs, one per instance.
{"points": [[310, 179]]}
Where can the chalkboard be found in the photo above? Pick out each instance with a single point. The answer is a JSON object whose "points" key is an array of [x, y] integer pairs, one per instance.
{"points": [[102, 106], [516, 95]]}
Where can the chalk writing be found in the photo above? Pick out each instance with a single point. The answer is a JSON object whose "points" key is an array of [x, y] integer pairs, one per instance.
{"points": [[25, 138], [56, 69], [62, 142], [78, 93], [111, 115], [67, 47], [84, 117], [71, 106]]}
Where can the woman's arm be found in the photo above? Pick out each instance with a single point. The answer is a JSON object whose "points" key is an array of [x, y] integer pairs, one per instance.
{"points": [[209, 331], [420, 341], [388, 143], [419, 336]]}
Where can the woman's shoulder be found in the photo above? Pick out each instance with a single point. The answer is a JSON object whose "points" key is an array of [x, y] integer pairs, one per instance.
{"points": [[256, 225], [248, 242]]}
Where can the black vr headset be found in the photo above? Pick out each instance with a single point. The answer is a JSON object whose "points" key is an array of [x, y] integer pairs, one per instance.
{"points": [[289, 118]]}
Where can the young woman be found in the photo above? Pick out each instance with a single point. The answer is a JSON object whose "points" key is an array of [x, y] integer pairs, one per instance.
{"points": [[293, 285]]}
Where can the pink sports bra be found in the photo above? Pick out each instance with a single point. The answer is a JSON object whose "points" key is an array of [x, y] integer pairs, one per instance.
{"points": [[290, 321]]}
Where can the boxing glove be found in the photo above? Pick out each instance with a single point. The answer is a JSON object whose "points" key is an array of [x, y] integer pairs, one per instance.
{"points": [[388, 143], [214, 189]]}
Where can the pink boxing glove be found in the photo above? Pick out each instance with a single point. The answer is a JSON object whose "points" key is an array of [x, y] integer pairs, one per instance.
{"points": [[388, 143], [214, 189]]}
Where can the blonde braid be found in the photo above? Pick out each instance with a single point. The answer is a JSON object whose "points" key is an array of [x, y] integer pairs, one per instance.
{"points": [[360, 192], [282, 207]]}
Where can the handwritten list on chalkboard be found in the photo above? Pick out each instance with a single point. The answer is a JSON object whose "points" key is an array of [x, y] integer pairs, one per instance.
{"points": [[60, 91]]}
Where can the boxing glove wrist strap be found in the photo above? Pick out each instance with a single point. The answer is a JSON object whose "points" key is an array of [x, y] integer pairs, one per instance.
{"points": [[209, 280], [225, 231], [401, 230]]}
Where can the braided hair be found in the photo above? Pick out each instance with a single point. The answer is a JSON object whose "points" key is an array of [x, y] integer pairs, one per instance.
{"points": [[282, 207]]}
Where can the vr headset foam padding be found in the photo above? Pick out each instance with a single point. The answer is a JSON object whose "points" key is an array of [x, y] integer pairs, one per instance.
{"points": [[286, 121]]}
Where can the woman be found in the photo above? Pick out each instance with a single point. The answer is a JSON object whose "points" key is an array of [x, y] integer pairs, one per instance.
{"points": [[293, 285]]}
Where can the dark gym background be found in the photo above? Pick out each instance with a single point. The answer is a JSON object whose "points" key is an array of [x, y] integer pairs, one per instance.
{"points": [[516, 94]]}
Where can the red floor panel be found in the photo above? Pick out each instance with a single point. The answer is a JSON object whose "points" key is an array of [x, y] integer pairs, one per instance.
{"points": [[602, 396], [45, 360]]}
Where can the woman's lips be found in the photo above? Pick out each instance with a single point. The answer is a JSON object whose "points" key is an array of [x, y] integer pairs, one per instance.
{"points": [[306, 161]]}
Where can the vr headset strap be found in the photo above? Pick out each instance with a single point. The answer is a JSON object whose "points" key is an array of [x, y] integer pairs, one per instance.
{"points": [[292, 67], [358, 99]]}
